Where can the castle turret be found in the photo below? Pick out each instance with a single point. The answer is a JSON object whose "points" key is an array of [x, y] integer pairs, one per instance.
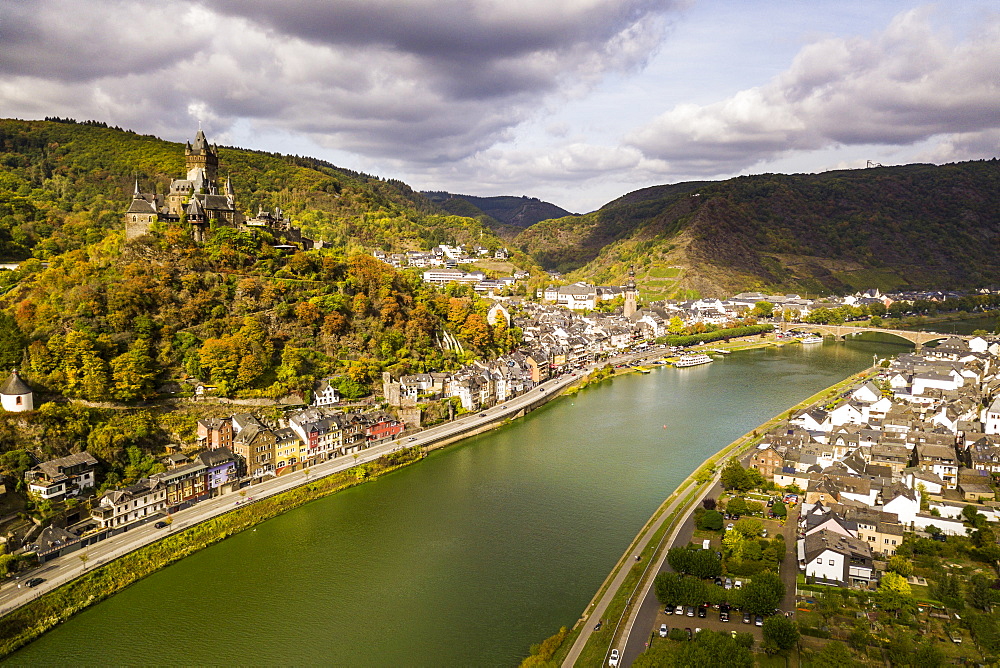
{"points": [[201, 155]]}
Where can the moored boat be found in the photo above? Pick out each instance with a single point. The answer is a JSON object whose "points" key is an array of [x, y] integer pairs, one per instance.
{"points": [[692, 360], [813, 339]]}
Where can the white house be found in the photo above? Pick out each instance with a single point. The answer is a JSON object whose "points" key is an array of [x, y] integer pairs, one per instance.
{"points": [[991, 421], [833, 557], [905, 503], [65, 476], [325, 394], [120, 507]]}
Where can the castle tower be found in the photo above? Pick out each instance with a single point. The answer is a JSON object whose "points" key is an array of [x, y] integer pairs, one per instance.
{"points": [[201, 155], [631, 294]]}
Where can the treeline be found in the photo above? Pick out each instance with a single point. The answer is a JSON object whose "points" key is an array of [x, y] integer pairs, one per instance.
{"points": [[976, 303], [235, 314], [717, 335]]}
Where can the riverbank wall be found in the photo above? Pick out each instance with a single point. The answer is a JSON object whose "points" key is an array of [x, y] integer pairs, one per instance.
{"points": [[496, 422], [30, 620]]}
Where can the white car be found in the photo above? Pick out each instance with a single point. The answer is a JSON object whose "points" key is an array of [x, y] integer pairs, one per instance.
{"points": [[613, 659], [663, 630]]}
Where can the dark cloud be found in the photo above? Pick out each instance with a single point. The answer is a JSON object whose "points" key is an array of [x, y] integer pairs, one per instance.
{"points": [[422, 80], [65, 41]]}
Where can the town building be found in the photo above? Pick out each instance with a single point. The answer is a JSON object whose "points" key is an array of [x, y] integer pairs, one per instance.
{"points": [[63, 477]]}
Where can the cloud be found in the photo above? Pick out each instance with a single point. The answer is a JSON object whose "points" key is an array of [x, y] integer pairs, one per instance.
{"points": [[422, 80], [899, 88]]}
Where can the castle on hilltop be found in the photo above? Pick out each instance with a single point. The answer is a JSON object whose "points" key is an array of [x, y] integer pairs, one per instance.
{"points": [[197, 202]]}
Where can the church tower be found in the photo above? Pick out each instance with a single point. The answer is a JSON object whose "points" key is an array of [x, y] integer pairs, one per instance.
{"points": [[631, 294], [201, 155]]}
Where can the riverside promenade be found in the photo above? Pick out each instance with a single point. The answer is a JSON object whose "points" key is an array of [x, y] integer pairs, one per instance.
{"points": [[64, 569]]}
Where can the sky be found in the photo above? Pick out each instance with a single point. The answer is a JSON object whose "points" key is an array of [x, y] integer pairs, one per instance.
{"points": [[576, 102]]}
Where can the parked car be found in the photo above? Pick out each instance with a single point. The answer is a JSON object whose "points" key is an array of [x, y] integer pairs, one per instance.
{"points": [[723, 615], [758, 621], [763, 533], [729, 583], [679, 610], [34, 582], [718, 582], [702, 612], [613, 659], [940, 537], [669, 610], [663, 630], [690, 611], [160, 525], [746, 617], [738, 584], [729, 527]]}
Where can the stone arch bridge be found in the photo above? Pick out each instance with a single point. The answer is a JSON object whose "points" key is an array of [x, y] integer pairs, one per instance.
{"points": [[918, 339]]}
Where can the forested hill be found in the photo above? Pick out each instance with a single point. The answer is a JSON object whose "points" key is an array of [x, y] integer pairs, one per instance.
{"points": [[89, 317], [888, 227], [506, 214], [64, 184]]}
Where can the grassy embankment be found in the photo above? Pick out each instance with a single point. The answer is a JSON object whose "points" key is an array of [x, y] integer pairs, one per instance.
{"points": [[594, 651], [31, 620]]}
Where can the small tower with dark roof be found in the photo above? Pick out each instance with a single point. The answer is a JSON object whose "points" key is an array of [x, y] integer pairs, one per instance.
{"points": [[15, 395], [202, 155], [631, 294]]}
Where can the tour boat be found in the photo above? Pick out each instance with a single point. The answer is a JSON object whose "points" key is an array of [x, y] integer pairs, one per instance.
{"points": [[692, 360], [813, 339]]}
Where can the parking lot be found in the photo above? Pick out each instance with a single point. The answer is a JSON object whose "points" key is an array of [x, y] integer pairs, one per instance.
{"points": [[710, 622]]}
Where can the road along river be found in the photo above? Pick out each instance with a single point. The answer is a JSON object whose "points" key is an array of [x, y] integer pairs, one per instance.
{"points": [[466, 558]]}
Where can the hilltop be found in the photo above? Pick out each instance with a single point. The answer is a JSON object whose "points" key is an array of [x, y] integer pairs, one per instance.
{"points": [[90, 318], [506, 214], [64, 184], [835, 232]]}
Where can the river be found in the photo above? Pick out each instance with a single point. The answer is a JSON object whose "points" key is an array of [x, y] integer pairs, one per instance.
{"points": [[465, 558]]}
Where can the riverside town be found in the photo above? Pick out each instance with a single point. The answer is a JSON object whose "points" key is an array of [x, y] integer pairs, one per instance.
{"points": [[257, 408]]}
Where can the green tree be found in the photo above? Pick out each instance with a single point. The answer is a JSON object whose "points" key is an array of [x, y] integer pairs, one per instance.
{"points": [[133, 372], [711, 520], [12, 342], [894, 592], [762, 309], [713, 649], [780, 634], [834, 654], [736, 506], [734, 476], [981, 593], [763, 593], [779, 509], [750, 527], [898, 564]]}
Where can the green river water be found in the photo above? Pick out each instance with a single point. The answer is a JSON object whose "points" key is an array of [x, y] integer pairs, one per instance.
{"points": [[466, 558]]}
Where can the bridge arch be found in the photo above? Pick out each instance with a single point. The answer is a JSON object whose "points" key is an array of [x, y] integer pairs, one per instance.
{"points": [[917, 338]]}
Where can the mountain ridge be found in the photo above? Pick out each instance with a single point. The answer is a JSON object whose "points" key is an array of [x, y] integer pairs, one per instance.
{"points": [[914, 225]]}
